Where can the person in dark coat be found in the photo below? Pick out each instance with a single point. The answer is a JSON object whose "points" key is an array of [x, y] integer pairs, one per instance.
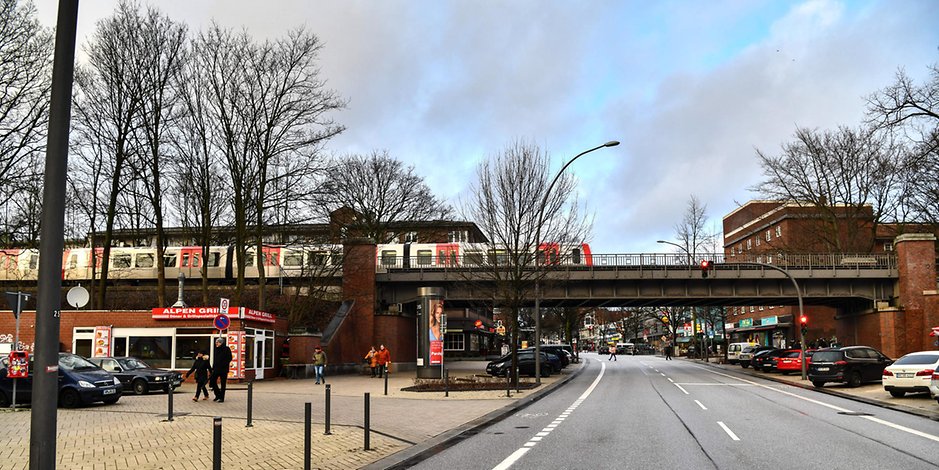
{"points": [[201, 368], [220, 369]]}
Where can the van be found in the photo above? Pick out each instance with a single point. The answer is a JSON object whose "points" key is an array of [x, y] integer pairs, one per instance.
{"points": [[734, 349], [625, 348]]}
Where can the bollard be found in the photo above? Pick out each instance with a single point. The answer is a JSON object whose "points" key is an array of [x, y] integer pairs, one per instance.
{"points": [[328, 393], [508, 385], [446, 383], [366, 421], [250, 397], [386, 378], [217, 443], [169, 404], [307, 425]]}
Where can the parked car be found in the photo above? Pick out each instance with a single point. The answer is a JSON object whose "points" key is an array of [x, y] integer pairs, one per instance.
{"points": [[748, 352], [766, 360], [911, 373], [645, 348], [559, 351], [852, 365], [792, 361], [553, 361], [137, 375], [734, 350], [80, 383], [526, 365]]}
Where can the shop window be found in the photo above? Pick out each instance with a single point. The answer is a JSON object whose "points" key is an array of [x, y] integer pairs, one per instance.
{"points": [[188, 346], [269, 352], [144, 260], [154, 350], [249, 351], [120, 347], [454, 342]]}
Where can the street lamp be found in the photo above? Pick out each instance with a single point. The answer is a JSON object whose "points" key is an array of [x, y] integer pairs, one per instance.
{"points": [[694, 319], [544, 202]]}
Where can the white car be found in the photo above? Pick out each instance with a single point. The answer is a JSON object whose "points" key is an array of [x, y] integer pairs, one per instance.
{"points": [[734, 350], [911, 373]]}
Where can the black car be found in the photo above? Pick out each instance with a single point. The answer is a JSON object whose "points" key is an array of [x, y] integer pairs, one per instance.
{"points": [[526, 365], [137, 375], [553, 360], [80, 383], [851, 365], [748, 353], [766, 360], [559, 351]]}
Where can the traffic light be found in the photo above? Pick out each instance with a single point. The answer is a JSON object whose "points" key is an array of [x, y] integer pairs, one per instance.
{"points": [[705, 267], [804, 321]]}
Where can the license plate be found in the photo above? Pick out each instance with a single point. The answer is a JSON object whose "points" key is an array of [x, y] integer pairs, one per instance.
{"points": [[901, 375], [109, 391], [822, 369]]}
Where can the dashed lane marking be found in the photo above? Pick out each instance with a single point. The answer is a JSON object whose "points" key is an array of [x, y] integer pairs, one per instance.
{"points": [[701, 405], [728, 431]]}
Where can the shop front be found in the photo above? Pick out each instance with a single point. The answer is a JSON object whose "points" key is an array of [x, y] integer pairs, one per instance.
{"points": [[767, 331]]}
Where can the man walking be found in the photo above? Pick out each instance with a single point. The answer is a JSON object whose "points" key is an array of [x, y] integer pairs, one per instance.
{"points": [[319, 363], [668, 351], [220, 367], [612, 353], [384, 360]]}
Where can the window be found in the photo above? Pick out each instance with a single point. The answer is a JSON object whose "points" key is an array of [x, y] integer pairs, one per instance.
{"points": [[410, 237], [575, 256], [317, 258], [778, 231], [169, 260], [473, 258], [499, 257], [748, 244], [120, 347], [761, 308], [769, 235], [155, 350], [73, 262], [453, 342], [110, 365], [751, 309], [457, 236], [888, 246], [425, 257], [144, 260], [389, 258], [120, 261], [214, 260], [269, 351], [757, 241], [293, 259], [188, 346]]}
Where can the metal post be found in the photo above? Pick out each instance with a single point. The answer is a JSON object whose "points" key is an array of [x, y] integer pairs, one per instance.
{"points": [[508, 385], [217, 443], [42, 439], [366, 420], [250, 400], [328, 393], [307, 425], [169, 404], [385, 367], [446, 383], [16, 339]]}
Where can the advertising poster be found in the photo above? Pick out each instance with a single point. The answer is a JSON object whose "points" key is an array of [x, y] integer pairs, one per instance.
{"points": [[236, 342], [435, 331], [102, 343]]}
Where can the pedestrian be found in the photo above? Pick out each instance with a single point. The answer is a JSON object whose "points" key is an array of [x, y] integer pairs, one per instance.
{"points": [[612, 353], [668, 352], [201, 368], [372, 359], [220, 367], [384, 360], [319, 364]]}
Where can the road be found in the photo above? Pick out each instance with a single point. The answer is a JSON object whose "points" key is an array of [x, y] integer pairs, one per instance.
{"points": [[645, 412]]}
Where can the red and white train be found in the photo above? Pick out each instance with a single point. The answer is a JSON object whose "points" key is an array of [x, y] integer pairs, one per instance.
{"points": [[139, 263]]}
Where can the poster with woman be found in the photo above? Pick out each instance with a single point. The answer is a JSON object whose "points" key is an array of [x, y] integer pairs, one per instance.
{"points": [[435, 331]]}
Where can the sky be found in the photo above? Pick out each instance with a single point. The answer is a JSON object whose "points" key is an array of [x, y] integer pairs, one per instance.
{"points": [[690, 89]]}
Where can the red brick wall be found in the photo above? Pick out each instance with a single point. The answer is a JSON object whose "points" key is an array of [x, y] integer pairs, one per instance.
{"points": [[398, 334], [916, 258], [301, 349], [357, 333]]}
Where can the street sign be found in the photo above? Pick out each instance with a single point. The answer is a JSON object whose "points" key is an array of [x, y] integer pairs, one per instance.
{"points": [[223, 306], [222, 322]]}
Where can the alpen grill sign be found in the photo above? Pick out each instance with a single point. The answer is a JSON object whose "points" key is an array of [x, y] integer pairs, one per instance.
{"points": [[189, 313]]}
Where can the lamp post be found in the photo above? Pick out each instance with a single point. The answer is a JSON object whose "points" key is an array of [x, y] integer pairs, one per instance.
{"points": [[694, 319], [544, 202]]}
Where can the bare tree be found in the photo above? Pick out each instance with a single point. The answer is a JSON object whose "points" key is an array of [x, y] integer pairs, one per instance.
{"points": [[25, 78], [380, 191], [506, 204]]}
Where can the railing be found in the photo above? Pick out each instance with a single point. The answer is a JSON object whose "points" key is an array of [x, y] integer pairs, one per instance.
{"points": [[651, 261]]}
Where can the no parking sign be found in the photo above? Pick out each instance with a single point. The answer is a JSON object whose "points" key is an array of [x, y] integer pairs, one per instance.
{"points": [[222, 322]]}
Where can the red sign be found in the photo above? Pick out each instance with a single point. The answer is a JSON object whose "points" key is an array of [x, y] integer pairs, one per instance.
{"points": [[257, 315], [102, 342], [222, 322], [19, 365], [236, 342], [189, 313], [436, 352]]}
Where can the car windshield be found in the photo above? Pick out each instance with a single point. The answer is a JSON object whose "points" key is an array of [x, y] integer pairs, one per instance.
{"points": [[793, 354], [827, 356], [73, 362], [131, 363], [750, 349], [917, 359]]}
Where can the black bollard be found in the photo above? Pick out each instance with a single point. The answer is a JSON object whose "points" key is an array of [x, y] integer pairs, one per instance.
{"points": [[307, 425], [217, 443], [169, 404], [508, 385], [446, 383], [386, 378], [250, 397], [328, 393], [366, 420]]}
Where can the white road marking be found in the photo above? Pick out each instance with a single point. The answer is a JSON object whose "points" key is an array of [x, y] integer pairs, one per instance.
{"points": [[728, 431], [682, 389], [902, 428], [699, 404], [663, 375], [717, 383], [670, 379], [510, 460]]}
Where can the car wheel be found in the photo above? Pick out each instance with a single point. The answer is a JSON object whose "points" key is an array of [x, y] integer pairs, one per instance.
{"points": [[818, 383], [785, 372], [897, 393], [855, 379], [140, 386], [69, 398], [767, 369], [744, 365], [4, 401], [111, 400]]}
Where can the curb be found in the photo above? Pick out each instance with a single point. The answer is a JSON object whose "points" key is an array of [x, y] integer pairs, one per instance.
{"points": [[837, 393], [417, 453]]}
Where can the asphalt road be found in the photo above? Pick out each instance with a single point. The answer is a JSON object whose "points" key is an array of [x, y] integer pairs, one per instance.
{"points": [[645, 412]]}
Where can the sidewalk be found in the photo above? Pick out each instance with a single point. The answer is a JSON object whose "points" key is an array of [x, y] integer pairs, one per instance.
{"points": [[134, 431], [870, 393]]}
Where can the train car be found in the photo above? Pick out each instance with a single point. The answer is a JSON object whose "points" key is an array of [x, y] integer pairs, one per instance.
{"points": [[19, 265], [417, 255], [311, 260], [190, 261]]}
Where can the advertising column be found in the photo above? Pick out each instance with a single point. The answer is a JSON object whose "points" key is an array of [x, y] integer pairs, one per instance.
{"points": [[431, 325]]}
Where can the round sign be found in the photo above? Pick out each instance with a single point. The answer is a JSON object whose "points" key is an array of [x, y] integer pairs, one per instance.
{"points": [[222, 322]]}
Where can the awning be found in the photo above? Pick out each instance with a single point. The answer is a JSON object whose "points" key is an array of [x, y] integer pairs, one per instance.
{"points": [[780, 326]]}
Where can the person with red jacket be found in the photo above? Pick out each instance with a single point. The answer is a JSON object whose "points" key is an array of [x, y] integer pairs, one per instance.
{"points": [[383, 357]]}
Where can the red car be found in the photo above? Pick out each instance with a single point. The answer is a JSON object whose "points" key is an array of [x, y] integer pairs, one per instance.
{"points": [[791, 361]]}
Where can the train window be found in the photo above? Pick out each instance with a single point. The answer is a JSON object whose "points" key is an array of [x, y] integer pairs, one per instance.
{"points": [[214, 260], [293, 259], [425, 257], [389, 258], [169, 260], [317, 258], [249, 259], [196, 259], [33, 261], [270, 259], [144, 260], [336, 258], [120, 261], [73, 262], [185, 260], [498, 257], [473, 257], [575, 256]]}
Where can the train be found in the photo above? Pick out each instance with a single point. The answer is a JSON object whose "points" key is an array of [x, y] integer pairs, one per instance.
{"points": [[283, 261]]}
